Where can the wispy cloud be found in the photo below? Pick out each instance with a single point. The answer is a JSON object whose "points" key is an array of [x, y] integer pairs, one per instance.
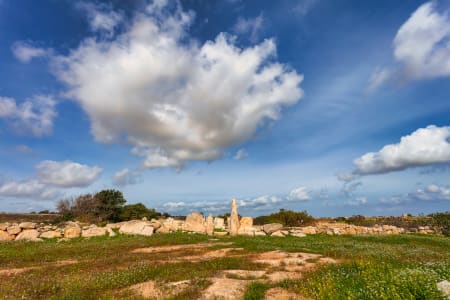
{"points": [[33, 116], [250, 27]]}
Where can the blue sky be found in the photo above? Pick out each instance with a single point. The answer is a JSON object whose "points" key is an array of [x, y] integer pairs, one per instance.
{"points": [[337, 108]]}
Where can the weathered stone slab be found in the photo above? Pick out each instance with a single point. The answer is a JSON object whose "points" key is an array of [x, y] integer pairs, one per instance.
{"points": [[272, 227], [137, 227]]}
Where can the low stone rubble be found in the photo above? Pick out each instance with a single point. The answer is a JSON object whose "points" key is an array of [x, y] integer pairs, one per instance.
{"points": [[196, 223]]}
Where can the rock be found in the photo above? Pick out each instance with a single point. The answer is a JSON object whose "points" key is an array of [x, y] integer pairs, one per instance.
{"points": [[13, 229], [163, 229], [277, 233], [209, 225], [195, 222], [259, 233], [94, 231], [4, 236], [3, 226], [219, 223], [144, 219], [246, 222], [444, 287], [72, 230], [220, 233], [111, 232], [27, 225], [234, 219], [270, 228], [28, 235], [137, 227], [309, 230], [155, 223], [114, 225], [298, 234], [50, 234]]}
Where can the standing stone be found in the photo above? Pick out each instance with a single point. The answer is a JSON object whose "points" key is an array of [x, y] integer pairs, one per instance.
{"points": [[234, 219], [209, 225]]}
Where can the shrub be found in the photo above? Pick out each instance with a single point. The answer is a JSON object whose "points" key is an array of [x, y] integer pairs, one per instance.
{"points": [[288, 218], [137, 211], [442, 222]]}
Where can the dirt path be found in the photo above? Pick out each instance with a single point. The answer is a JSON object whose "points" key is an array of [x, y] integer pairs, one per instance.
{"points": [[15, 271]]}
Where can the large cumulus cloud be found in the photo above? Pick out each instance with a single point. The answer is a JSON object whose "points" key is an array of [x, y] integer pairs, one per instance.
{"points": [[425, 146], [172, 98]]}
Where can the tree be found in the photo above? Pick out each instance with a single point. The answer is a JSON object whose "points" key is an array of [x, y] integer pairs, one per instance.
{"points": [[109, 204], [137, 211]]}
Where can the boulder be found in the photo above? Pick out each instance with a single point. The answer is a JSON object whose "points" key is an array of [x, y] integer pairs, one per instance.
{"points": [[298, 234], [4, 236], [110, 232], [27, 225], [272, 227], [195, 222], [51, 234], [246, 222], [163, 229], [259, 233], [13, 229], [444, 287], [155, 223], [94, 231], [277, 233], [309, 230], [137, 227], [3, 226], [72, 230], [220, 233], [28, 235]]}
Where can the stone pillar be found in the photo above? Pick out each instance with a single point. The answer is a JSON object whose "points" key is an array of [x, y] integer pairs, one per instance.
{"points": [[234, 218], [209, 225]]}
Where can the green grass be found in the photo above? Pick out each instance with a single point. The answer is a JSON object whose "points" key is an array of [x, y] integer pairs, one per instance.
{"points": [[370, 267]]}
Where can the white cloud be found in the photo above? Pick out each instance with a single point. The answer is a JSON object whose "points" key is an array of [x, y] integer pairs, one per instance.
{"points": [[26, 188], [251, 27], [25, 51], [172, 99], [66, 173], [358, 201], [421, 47], [33, 116], [240, 154], [425, 146], [299, 194], [101, 17], [432, 192], [50, 177], [126, 177]]}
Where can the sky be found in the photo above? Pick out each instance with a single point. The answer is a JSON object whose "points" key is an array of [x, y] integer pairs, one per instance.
{"points": [[334, 107]]}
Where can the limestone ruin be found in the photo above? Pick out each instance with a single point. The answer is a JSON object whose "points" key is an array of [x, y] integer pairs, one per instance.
{"points": [[194, 222]]}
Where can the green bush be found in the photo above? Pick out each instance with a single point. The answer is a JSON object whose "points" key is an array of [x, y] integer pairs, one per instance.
{"points": [[441, 221], [137, 211], [288, 218]]}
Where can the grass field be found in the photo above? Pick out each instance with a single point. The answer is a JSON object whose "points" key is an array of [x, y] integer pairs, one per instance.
{"points": [[369, 267]]}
